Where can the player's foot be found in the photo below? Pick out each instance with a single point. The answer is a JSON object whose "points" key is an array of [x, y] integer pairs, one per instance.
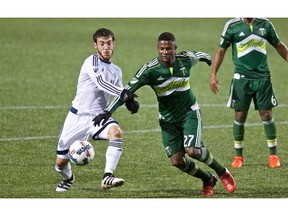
{"points": [[207, 189], [274, 161], [228, 181], [65, 184], [238, 162], [110, 181]]}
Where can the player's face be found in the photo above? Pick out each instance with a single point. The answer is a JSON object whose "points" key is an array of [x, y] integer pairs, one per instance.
{"points": [[105, 47], [167, 52]]}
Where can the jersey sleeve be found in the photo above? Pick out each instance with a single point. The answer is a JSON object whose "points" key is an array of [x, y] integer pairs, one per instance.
{"points": [[140, 79], [225, 39], [273, 38], [195, 56], [106, 86], [114, 104], [101, 80]]}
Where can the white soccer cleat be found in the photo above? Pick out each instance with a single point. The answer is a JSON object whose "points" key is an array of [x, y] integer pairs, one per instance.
{"points": [[65, 184], [111, 181]]}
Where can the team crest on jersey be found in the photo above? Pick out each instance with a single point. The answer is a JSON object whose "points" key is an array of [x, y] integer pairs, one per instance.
{"points": [[182, 70], [262, 31]]}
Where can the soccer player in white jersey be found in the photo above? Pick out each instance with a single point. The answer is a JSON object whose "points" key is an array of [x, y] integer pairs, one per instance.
{"points": [[98, 80]]}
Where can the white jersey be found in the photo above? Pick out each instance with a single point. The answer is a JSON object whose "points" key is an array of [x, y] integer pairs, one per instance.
{"points": [[97, 82]]}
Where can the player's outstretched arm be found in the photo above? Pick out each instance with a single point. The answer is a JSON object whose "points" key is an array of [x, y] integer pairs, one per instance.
{"points": [[127, 95], [201, 56]]}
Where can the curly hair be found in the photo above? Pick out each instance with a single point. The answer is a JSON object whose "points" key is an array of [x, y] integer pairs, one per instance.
{"points": [[103, 32], [166, 36]]}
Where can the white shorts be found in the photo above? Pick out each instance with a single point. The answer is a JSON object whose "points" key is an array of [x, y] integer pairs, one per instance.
{"points": [[80, 127]]}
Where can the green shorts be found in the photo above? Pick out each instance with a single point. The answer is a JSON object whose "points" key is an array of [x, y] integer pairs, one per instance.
{"points": [[183, 134], [243, 91]]}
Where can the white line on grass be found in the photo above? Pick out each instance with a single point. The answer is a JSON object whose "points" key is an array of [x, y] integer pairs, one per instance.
{"points": [[32, 107], [128, 132], [27, 138], [136, 131]]}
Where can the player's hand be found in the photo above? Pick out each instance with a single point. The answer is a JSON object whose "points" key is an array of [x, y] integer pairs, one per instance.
{"points": [[101, 117], [204, 57], [127, 95], [132, 105], [214, 85]]}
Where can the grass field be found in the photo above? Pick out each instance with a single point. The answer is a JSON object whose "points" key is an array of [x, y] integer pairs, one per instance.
{"points": [[40, 61]]}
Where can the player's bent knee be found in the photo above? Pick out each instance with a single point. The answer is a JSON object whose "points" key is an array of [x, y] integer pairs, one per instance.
{"points": [[114, 132], [178, 161], [194, 152]]}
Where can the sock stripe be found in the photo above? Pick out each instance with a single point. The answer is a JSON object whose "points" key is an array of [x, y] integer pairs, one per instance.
{"points": [[117, 143]]}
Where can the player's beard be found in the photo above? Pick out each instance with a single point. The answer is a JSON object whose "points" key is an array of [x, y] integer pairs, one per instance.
{"points": [[106, 55]]}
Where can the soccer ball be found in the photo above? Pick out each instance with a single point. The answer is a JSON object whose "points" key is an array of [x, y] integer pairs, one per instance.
{"points": [[81, 152]]}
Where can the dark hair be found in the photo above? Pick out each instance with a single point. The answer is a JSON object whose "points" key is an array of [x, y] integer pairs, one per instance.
{"points": [[103, 32], [166, 36]]}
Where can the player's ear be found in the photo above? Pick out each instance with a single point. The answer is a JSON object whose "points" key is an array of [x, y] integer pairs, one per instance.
{"points": [[95, 45]]}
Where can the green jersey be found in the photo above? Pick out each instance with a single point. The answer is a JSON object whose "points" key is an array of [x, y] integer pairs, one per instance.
{"points": [[171, 86], [249, 46]]}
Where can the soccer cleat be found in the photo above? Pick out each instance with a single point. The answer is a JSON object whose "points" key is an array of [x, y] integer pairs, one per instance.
{"points": [[238, 162], [65, 184], [274, 161], [228, 181], [111, 181], [207, 189]]}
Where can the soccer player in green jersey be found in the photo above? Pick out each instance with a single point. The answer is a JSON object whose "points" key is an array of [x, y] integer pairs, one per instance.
{"points": [[248, 38], [179, 113]]}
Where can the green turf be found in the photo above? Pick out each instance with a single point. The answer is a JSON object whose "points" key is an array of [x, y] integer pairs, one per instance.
{"points": [[40, 61]]}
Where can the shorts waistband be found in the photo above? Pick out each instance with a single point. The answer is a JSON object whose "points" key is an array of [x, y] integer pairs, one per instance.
{"points": [[73, 110]]}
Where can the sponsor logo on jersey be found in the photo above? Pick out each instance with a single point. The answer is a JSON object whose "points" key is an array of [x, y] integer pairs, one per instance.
{"points": [[251, 43], [172, 85]]}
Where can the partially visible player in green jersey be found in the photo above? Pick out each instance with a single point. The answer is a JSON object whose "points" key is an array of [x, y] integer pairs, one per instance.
{"points": [[180, 116], [251, 81]]}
